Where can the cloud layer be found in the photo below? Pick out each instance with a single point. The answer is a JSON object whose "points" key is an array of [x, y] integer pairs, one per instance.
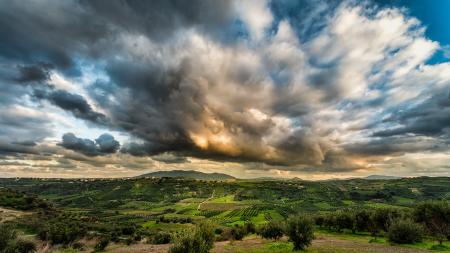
{"points": [[260, 85]]}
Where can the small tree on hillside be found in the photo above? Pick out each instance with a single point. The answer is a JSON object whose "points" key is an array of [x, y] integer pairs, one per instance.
{"points": [[6, 236], [345, 220], [10, 243], [405, 231], [300, 230], [201, 240], [435, 215], [362, 220], [271, 230]]}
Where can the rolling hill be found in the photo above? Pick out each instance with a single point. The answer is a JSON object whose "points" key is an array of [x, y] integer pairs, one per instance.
{"points": [[192, 174]]}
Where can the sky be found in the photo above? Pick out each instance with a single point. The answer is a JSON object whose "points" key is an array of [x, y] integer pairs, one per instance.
{"points": [[254, 88]]}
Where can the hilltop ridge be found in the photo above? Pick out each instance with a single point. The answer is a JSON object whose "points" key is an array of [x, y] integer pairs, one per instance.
{"points": [[192, 174]]}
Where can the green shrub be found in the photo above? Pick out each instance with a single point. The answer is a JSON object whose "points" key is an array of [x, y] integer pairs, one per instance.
{"points": [[201, 240], [249, 228], [344, 220], [102, 244], [218, 231], [10, 244], [7, 235], [435, 215], [79, 246], [162, 238], [362, 220], [319, 220], [24, 246], [405, 231], [272, 230], [61, 232], [237, 233], [300, 230]]}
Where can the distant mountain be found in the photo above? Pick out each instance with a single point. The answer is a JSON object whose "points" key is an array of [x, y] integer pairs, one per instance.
{"points": [[189, 174], [378, 177]]}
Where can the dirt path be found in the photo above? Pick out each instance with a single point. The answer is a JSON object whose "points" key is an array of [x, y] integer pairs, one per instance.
{"points": [[206, 200]]}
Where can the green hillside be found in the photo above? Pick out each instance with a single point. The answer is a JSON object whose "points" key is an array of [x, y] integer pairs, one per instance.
{"points": [[191, 174]]}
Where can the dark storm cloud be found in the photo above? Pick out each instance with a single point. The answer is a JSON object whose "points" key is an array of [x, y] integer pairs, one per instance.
{"points": [[170, 158], [21, 127], [104, 144], [57, 32], [53, 31], [11, 148], [429, 118], [107, 144], [27, 143], [161, 19], [34, 73], [85, 146], [74, 103], [395, 145]]}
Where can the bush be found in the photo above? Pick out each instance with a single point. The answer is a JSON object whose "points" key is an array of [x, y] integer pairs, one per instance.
{"points": [[362, 220], [271, 230], [382, 218], [405, 231], [218, 231], [300, 230], [234, 233], [201, 240], [249, 228], [344, 220], [162, 238], [237, 233], [7, 235], [24, 246], [435, 215], [10, 243], [79, 246], [102, 244], [61, 232]]}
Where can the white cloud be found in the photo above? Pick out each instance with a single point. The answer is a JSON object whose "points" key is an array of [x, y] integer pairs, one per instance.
{"points": [[256, 15]]}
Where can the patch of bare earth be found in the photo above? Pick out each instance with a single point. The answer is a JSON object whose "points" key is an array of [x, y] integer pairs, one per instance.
{"points": [[138, 248], [9, 214], [326, 244], [320, 245]]}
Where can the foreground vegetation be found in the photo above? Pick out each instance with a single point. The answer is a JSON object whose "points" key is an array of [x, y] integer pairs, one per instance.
{"points": [[68, 214]]}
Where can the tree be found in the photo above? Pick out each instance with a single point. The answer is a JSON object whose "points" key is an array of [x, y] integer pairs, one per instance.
{"points": [[435, 215], [7, 235], [300, 230], [344, 220], [102, 244], [201, 240], [24, 246], [383, 217], [272, 230], [405, 231], [10, 243], [162, 238], [362, 220], [249, 227], [237, 233]]}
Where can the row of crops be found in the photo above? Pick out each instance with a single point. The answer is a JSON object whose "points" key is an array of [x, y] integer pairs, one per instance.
{"points": [[245, 213]]}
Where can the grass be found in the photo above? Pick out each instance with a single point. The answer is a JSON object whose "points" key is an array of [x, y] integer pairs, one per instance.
{"points": [[224, 199], [170, 227]]}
